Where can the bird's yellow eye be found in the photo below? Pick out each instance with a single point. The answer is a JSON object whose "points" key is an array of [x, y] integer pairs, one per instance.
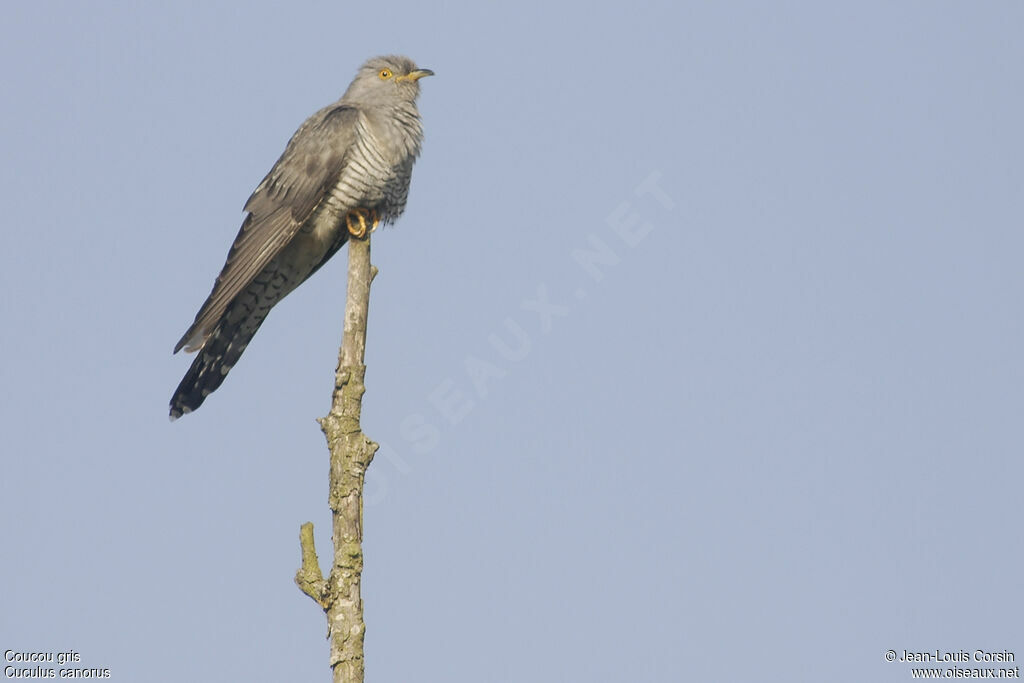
{"points": [[385, 74]]}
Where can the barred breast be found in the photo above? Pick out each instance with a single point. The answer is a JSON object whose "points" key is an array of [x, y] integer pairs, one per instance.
{"points": [[377, 171]]}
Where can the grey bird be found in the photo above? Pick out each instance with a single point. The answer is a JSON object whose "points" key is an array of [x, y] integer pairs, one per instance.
{"points": [[345, 171]]}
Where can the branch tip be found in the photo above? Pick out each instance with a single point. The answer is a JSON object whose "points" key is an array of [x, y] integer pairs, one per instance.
{"points": [[309, 578]]}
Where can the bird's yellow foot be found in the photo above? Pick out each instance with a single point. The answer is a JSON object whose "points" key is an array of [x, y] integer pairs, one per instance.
{"points": [[361, 221]]}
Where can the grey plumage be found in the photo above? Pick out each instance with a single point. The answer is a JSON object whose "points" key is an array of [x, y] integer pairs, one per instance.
{"points": [[353, 155]]}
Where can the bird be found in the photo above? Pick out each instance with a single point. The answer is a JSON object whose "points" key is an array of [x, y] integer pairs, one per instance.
{"points": [[344, 172]]}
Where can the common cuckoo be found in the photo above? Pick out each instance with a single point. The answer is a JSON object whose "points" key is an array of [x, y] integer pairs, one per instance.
{"points": [[345, 171]]}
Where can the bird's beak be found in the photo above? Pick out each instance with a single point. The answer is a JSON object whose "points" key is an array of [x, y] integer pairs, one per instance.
{"points": [[416, 75]]}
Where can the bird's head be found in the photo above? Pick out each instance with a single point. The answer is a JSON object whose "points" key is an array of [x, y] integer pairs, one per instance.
{"points": [[383, 80]]}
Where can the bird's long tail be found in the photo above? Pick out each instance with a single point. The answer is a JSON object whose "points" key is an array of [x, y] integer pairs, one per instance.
{"points": [[217, 356]]}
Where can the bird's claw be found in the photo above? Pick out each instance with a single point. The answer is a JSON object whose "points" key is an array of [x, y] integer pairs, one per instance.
{"points": [[361, 221]]}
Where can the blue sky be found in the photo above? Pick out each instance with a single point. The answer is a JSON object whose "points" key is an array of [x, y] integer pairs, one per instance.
{"points": [[696, 355]]}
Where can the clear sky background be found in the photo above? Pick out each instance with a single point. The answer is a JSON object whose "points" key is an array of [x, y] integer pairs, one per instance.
{"points": [[757, 419]]}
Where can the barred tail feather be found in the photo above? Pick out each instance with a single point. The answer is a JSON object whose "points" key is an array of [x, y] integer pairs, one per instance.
{"points": [[213, 362]]}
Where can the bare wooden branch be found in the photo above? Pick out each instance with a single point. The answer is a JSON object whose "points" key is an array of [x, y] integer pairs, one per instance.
{"points": [[309, 577], [351, 453]]}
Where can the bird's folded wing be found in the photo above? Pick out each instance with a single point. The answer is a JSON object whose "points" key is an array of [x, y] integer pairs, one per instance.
{"points": [[280, 205]]}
